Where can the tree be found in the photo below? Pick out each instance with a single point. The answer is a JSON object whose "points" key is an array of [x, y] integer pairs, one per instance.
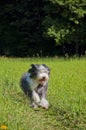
{"points": [[21, 26], [30, 28], [65, 21]]}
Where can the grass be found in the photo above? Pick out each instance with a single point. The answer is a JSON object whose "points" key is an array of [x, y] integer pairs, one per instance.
{"points": [[66, 94]]}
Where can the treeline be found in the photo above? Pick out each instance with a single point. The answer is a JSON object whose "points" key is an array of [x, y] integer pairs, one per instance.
{"points": [[42, 27]]}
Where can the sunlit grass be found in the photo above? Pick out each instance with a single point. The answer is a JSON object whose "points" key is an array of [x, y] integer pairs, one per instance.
{"points": [[66, 94]]}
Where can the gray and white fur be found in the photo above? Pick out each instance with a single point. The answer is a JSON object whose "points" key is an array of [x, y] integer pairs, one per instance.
{"points": [[34, 83]]}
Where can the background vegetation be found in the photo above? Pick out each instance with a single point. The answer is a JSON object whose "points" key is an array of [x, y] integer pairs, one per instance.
{"points": [[66, 95], [42, 27]]}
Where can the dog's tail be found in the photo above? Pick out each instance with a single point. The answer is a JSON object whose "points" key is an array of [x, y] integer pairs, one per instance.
{"points": [[25, 86]]}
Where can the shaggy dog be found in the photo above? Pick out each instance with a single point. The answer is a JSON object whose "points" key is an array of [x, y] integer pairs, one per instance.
{"points": [[34, 83]]}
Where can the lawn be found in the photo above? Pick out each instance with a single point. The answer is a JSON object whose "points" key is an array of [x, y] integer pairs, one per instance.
{"points": [[66, 95]]}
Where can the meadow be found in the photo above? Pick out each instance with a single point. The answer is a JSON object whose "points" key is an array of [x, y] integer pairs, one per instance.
{"points": [[66, 95]]}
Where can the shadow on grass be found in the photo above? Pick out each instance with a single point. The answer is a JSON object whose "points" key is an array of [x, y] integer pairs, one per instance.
{"points": [[58, 116], [68, 119], [19, 97]]}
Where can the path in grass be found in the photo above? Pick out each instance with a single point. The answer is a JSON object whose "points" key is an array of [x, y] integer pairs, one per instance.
{"points": [[66, 94]]}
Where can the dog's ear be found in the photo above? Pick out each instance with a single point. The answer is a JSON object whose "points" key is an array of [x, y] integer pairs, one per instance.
{"points": [[35, 66], [33, 70], [46, 67]]}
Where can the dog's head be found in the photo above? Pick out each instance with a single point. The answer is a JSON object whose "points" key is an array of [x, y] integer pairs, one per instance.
{"points": [[40, 73]]}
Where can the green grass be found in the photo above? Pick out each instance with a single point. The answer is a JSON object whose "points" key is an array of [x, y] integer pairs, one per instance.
{"points": [[66, 94]]}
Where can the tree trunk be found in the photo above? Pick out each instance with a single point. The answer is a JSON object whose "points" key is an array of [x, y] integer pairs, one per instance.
{"points": [[77, 49]]}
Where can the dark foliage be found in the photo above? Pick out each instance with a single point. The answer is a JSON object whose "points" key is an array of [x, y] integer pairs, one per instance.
{"points": [[42, 28]]}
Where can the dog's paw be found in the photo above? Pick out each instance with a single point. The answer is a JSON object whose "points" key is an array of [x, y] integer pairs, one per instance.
{"points": [[44, 103], [34, 105], [35, 97]]}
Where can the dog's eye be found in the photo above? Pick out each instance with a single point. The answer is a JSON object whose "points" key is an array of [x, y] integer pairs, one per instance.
{"points": [[33, 75], [44, 71]]}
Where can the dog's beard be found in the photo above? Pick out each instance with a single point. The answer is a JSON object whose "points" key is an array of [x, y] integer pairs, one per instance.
{"points": [[42, 79]]}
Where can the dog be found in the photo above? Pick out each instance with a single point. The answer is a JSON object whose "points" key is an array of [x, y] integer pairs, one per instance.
{"points": [[34, 83]]}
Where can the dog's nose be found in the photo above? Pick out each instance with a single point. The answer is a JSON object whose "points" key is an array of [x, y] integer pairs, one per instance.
{"points": [[44, 77]]}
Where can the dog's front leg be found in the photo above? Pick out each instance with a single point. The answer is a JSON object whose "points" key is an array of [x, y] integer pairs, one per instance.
{"points": [[44, 103], [36, 99]]}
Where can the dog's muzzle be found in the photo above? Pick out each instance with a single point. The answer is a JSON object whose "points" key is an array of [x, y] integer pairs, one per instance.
{"points": [[43, 80]]}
